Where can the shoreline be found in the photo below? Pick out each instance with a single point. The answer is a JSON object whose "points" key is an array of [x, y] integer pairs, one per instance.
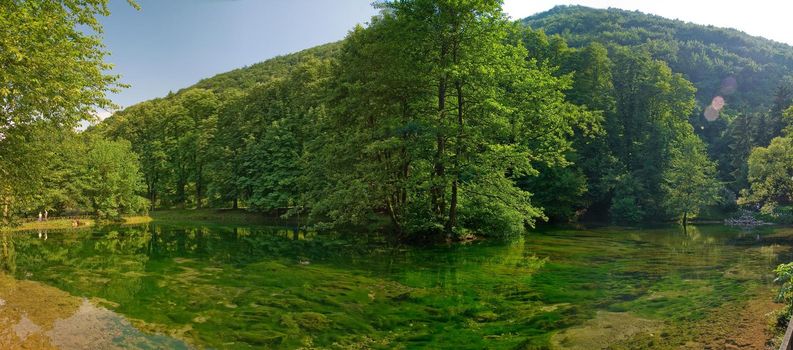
{"points": [[66, 224]]}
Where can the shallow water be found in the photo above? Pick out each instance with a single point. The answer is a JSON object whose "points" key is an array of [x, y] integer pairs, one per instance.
{"points": [[164, 286]]}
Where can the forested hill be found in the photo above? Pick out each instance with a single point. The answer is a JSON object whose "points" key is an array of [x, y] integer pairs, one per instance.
{"points": [[387, 128], [708, 56], [277, 67], [749, 77]]}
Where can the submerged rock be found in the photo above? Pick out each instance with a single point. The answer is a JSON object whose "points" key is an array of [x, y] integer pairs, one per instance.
{"points": [[37, 316], [606, 329]]}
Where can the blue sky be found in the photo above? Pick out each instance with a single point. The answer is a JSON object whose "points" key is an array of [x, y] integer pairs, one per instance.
{"points": [[171, 44]]}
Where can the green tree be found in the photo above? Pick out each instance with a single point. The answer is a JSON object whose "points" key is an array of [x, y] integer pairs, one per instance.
{"points": [[651, 115], [111, 178], [52, 70], [144, 126], [438, 114], [226, 168], [58, 43], [770, 169], [690, 180]]}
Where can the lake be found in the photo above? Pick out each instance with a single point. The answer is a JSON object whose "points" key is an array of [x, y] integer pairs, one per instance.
{"points": [[179, 287]]}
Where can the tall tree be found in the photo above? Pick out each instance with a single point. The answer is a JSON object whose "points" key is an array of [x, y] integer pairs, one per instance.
{"points": [[651, 113], [770, 169], [52, 70], [111, 178], [690, 180], [446, 114]]}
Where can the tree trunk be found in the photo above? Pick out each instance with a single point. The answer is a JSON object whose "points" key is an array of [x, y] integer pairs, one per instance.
{"points": [[153, 200], [685, 218], [452, 223], [458, 149], [199, 188], [181, 197], [236, 204], [6, 219], [438, 187]]}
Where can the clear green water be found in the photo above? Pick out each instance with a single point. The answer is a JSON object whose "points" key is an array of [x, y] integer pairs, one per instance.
{"points": [[245, 287]]}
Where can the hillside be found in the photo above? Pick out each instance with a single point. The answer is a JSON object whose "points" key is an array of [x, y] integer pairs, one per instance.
{"points": [[708, 56], [745, 70], [639, 83], [246, 77], [748, 77]]}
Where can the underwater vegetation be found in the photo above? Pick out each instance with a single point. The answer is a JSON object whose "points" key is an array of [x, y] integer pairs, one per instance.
{"points": [[274, 287]]}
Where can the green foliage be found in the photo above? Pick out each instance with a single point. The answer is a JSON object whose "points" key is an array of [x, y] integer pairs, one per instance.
{"points": [[406, 122], [784, 275], [50, 68], [560, 191], [424, 128], [752, 74], [626, 205], [429, 129], [52, 75], [779, 214], [112, 179], [706, 55], [63, 172], [769, 175], [690, 181], [274, 68]]}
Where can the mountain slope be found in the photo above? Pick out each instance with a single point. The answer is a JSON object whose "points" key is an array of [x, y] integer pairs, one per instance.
{"points": [[634, 78], [246, 77], [708, 56]]}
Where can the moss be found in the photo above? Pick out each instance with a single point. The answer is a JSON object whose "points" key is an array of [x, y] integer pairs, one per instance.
{"points": [[606, 329], [312, 321]]}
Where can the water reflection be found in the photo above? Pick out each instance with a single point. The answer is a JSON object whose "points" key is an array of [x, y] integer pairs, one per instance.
{"points": [[36, 316], [238, 287]]}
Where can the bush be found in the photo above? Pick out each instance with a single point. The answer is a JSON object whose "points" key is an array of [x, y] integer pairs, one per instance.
{"points": [[780, 214], [486, 218], [784, 273]]}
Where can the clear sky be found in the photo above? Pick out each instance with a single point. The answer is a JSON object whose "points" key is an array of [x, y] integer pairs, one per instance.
{"points": [[171, 44]]}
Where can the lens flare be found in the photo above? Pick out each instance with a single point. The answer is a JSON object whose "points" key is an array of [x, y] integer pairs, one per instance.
{"points": [[728, 86], [711, 113], [717, 103]]}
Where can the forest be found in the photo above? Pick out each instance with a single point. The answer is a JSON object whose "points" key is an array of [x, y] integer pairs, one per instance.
{"points": [[446, 177], [434, 120]]}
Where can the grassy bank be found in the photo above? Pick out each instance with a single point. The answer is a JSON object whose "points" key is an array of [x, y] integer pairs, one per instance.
{"points": [[217, 216], [49, 225], [60, 224], [207, 216]]}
